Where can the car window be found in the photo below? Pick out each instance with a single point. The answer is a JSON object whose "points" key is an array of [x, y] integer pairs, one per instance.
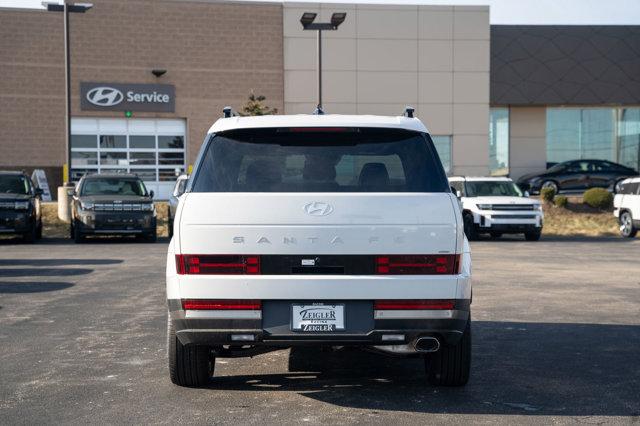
{"points": [[14, 184], [493, 189], [320, 160], [113, 186]]}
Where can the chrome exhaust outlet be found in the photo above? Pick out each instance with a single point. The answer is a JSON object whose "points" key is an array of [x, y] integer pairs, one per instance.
{"points": [[427, 344]]}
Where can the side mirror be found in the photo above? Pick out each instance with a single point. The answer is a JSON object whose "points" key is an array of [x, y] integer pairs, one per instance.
{"points": [[455, 191], [151, 193], [181, 186], [39, 191], [71, 192], [526, 194]]}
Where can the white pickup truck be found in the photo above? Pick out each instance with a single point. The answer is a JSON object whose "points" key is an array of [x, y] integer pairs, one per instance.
{"points": [[496, 206], [314, 231]]}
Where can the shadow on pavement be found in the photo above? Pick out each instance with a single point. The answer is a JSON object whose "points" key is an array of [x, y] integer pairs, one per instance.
{"points": [[32, 287], [43, 272], [57, 262], [518, 368], [555, 238]]}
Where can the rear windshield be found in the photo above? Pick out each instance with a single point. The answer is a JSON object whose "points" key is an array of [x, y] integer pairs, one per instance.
{"points": [[320, 160], [113, 186], [493, 189], [14, 184]]}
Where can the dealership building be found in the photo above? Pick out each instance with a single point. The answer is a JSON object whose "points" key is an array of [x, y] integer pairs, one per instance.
{"points": [[149, 77]]}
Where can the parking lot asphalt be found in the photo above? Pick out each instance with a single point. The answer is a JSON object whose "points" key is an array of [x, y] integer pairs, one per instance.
{"points": [[556, 339]]}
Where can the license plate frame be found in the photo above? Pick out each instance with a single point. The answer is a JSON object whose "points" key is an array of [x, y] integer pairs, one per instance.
{"points": [[318, 317]]}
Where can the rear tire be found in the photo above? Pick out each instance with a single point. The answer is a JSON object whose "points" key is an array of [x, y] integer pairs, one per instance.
{"points": [[533, 235], [627, 229], [451, 364], [550, 184], [169, 223], [469, 227], [39, 231], [190, 366]]}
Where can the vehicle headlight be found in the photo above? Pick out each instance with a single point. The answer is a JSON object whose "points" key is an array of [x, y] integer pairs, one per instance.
{"points": [[538, 207], [84, 205], [484, 206], [149, 207], [21, 205]]}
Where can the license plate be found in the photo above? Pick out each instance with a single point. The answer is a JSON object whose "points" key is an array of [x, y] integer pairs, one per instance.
{"points": [[317, 317]]}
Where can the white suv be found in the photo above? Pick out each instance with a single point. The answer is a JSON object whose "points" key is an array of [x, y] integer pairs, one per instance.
{"points": [[313, 231], [495, 205], [626, 207]]}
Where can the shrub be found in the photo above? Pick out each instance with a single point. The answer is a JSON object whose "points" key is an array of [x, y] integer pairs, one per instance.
{"points": [[598, 198], [547, 194], [560, 201]]}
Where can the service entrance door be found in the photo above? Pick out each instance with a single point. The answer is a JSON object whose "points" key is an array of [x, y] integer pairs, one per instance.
{"points": [[154, 149]]}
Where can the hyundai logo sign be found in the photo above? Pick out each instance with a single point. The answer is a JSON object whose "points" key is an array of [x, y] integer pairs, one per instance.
{"points": [[318, 208], [105, 96], [127, 97]]}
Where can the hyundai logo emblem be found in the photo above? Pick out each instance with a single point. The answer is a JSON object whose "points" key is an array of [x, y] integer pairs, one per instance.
{"points": [[318, 208], [105, 96]]}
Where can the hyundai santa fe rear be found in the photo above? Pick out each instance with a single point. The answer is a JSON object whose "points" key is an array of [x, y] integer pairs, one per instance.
{"points": [[318, 231]]}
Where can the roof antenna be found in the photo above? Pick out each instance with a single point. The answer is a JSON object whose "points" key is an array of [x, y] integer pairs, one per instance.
{"points": [[408, 111], [318, 110]]}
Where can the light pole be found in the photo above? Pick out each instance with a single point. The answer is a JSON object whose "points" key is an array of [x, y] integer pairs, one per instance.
{"points": [[67, 8], [307, 24]]}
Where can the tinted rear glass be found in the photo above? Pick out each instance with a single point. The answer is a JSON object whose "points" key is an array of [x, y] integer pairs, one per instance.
{"points": [[308, 160]]}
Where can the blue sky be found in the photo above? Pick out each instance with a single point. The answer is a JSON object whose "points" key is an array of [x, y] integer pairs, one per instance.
{"points": [[537, 12]]}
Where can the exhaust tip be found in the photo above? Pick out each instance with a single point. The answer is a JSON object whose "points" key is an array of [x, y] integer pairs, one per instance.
{"points": [[427, 344]]}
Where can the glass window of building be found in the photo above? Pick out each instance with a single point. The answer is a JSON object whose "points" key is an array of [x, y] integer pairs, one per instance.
{"points": [[443, 146], [153, 149], [611, 134], [499, 141]]}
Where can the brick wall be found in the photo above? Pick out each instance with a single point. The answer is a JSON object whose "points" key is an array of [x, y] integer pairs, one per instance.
{"points": [[215, 53]]}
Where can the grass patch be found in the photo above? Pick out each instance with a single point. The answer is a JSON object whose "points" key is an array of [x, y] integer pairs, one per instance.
{"points": [[577, 219]]}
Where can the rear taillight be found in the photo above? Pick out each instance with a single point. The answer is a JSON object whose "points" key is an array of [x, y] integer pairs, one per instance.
{"points": [[418, 264], [221, 305], [432, 304], [215, 264]]}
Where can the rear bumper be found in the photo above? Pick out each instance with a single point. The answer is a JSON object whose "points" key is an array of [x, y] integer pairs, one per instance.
{"points": [[271, 327]]}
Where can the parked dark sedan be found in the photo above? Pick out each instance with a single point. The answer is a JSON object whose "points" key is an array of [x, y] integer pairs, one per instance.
{"points": [[20, 211], [577, 175], [112, 204]]}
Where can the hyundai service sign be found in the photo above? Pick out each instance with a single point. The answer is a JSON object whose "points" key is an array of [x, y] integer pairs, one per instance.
{"points": [[127, 97]]}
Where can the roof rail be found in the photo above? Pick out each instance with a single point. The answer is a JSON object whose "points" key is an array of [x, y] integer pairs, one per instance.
{"points": [[228, 112], [408, 111]]}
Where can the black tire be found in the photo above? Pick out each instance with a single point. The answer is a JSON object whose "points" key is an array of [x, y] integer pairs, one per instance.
{"points": [[550, 184], [451, 364], [152, 237], [170, 225], [39, 231], [495, 235], [71, 231], [190, 366], [627, 229], [533, 235], [470, 227], [31, 236], [78, 238]]}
